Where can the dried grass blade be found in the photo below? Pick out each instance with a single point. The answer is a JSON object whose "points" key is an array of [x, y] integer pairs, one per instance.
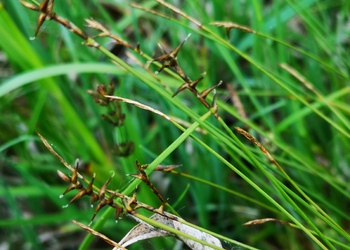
{"points": [[102, 236], [139, 105], [262, 221], [178, 11]]}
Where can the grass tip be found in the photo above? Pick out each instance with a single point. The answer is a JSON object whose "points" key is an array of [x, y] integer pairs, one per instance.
{"points": [[112, 173]]}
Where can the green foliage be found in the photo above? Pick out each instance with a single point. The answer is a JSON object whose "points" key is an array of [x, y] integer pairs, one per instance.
{"points": [[288, 74]]}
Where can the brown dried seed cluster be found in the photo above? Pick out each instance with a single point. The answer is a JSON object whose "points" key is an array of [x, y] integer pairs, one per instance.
{"points": [[130, 204], [101, 92], [168, 60], [74, 183], [114, 116]]}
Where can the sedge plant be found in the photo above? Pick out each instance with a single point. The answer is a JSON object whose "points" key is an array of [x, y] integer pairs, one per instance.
{"points": [[239, 131]]}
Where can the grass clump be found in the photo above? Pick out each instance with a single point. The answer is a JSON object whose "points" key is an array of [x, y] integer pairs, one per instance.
{"points": [[240, 132]]}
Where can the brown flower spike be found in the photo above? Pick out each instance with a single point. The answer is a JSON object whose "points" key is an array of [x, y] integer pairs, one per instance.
{"points": [[170, 60]]}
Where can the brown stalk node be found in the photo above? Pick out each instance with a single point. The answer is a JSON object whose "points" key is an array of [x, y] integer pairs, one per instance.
{"points": [[144, 178], [74, 183], [130, 203], [109, 201], [191, 85]]}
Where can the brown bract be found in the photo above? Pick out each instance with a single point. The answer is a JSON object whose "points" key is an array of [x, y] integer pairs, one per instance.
{"points": [[47, 13]]}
